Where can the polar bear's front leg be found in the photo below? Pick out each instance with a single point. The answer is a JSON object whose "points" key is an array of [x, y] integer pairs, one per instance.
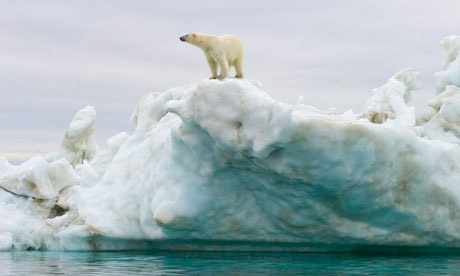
{"points": [[223, 64], [239, 68], [213, 66]]}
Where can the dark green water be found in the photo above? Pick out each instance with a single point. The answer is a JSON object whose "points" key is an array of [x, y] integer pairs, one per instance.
{"points": [[228, 263]]}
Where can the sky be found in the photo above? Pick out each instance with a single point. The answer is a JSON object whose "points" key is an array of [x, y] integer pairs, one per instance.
{"points": [[57, 57]]}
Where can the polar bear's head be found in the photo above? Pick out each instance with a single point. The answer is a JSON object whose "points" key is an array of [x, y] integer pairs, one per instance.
{"points": [[190, 38], [198, 39]]}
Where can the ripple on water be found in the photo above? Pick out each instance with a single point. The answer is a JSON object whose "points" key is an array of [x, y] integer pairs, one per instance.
{"points": [[225, 263]]}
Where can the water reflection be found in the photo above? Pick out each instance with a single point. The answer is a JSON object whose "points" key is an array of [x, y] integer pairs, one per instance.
{"points": [[227, 263]]}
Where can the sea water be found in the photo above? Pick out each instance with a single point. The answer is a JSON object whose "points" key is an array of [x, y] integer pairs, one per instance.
{"points": [[226, 263]]}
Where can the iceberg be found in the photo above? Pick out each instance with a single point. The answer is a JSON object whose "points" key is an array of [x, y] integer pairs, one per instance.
{"points": [[220, 165]]}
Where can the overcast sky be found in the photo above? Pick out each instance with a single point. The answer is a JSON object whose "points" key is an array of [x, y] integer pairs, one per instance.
{"points": [[56, 57]]}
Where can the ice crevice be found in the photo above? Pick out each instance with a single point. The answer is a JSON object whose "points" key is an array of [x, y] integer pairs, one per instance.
{"points": [[220, 165]]}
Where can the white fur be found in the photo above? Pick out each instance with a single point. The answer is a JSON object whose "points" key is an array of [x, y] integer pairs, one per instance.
{"points": [[223, 51]]}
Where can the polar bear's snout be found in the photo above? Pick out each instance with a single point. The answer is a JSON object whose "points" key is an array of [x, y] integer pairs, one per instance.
{"points": [[182, 38]]}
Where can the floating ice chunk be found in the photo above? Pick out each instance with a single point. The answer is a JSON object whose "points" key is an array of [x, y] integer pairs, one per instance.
{"points": [[223, 161]]}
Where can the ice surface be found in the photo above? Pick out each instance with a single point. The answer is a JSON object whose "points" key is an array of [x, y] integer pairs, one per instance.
{"points": [[221, 165], [391, 100]]}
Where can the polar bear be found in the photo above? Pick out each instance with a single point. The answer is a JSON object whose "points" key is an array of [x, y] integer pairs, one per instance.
{"points": [[225, 51]]}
